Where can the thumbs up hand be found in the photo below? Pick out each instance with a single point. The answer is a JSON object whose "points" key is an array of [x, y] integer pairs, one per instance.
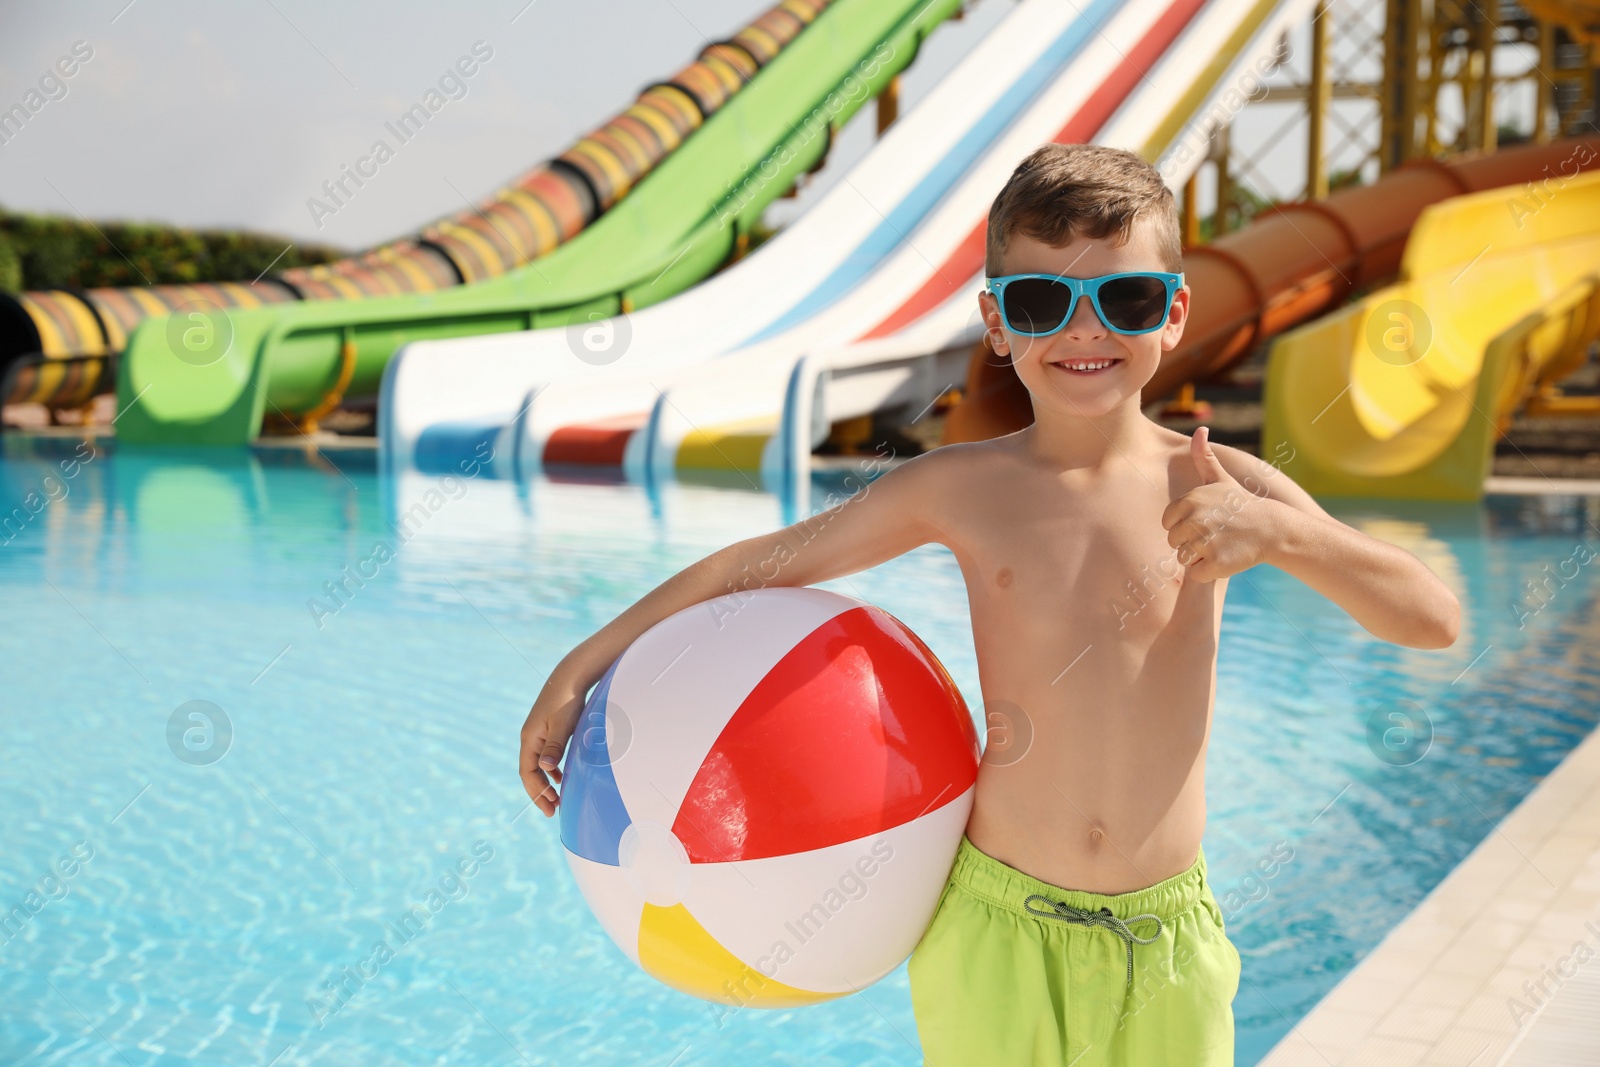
{"points": [[1220, 528]]}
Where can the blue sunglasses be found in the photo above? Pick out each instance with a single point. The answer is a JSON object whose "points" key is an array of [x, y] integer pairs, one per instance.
{"points": [[1038, 305]]}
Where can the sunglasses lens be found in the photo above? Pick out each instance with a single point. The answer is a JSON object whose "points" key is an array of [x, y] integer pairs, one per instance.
{"points": [[1036, 305], [1134, 303]]}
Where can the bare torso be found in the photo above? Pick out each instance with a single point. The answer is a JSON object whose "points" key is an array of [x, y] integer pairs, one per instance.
{"points": [[1097, 660]]}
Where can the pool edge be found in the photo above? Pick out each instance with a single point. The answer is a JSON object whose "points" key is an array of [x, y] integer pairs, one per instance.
{"points": [[1466, 976]]}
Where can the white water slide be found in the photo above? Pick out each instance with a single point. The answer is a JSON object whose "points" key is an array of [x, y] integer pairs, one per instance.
{"points": [[868, 300]]}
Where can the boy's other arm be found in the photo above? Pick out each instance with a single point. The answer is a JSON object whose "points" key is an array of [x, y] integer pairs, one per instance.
{"points": [[1390, 592], [884, 518]]}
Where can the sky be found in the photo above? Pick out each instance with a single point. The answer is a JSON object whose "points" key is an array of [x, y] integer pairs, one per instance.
{"points": [[233, 115], [208, 114]]}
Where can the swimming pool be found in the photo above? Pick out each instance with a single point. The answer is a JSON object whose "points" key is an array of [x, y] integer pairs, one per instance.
{"points": [[374, 715]]}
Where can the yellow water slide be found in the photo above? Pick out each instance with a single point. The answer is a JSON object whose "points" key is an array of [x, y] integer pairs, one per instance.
{"points": [[1404, 393]]}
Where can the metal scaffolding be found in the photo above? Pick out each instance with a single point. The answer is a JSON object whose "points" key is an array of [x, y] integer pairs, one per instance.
{"points": [[1369, 84], [1375, 83]]}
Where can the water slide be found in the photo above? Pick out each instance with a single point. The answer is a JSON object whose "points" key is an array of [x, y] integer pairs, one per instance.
{"points": [[778, 404], [1403, 393], [681, 222], [1293, 263], [57, 339], [888, 257]]}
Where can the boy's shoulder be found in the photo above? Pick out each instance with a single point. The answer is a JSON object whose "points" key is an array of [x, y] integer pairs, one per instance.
{"points": [[953, 471], [1004, 448], [936, 486], [946, 459], [970, 451]]}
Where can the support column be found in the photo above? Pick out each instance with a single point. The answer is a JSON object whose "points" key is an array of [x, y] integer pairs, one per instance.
{"points": [[1191, 211], [1319, 97], [1219, 221], [889, 104], [1488, 128], [1588, 78], [1544, 84], [1400, 83]]}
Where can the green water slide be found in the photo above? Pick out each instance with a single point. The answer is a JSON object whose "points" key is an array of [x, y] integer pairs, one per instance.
{"points": [[210, 377]]}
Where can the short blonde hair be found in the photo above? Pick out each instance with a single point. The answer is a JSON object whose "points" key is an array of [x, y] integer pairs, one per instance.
{"points": [[1086, 190]]}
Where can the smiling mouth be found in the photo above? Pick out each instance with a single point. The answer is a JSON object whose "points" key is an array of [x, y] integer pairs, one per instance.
{"points": [[1085, 366]]}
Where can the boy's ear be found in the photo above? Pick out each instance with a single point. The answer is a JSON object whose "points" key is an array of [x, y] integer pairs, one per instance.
{"points": [[1176, 319], [990, 309]]}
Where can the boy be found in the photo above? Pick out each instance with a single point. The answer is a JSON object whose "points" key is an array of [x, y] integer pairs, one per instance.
{"points": [[1096, 546]]}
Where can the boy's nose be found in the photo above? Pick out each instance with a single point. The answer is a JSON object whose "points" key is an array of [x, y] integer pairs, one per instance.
{"points": [[1084, 325]]}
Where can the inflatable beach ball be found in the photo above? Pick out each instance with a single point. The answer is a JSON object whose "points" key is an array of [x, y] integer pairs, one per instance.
{"points": [[764, 795]]}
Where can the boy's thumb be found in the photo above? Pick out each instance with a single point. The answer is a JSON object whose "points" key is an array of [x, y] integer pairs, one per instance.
{"points": [[1205, 460]]}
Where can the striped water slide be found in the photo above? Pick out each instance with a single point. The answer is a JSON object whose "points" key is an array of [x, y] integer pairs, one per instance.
{"points": [[766, 406], [439, 398], [290, 364], [729, 429], [723, 412], [1204, 65], [75, 333]]}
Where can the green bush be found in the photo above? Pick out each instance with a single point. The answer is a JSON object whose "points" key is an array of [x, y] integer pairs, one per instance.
{"points": [[10, 267], [53, 252]]}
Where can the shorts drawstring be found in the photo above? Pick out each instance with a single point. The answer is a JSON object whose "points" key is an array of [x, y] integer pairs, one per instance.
{"points": [[1104, 918]]}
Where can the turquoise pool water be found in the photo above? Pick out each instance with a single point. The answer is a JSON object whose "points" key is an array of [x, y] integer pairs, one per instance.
{"points": [[373, 745]]}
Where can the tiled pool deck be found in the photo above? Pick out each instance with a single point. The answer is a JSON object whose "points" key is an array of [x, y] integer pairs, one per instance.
{"points": [[1499, 964]]}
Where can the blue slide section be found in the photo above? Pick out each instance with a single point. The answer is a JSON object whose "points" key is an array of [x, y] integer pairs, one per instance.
{"points": [[942, 176]]}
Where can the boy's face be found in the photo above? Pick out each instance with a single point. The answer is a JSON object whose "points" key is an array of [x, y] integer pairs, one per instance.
{"points": [[1084, 339]]}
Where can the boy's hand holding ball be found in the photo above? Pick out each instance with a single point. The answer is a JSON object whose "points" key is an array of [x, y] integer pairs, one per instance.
{"points": [[549, 726]]}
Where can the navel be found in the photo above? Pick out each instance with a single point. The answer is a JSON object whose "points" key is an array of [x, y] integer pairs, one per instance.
{"points": [[1003, 579]]}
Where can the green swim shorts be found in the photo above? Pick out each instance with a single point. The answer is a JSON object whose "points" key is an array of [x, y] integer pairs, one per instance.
{"points": [[1015, 972]]}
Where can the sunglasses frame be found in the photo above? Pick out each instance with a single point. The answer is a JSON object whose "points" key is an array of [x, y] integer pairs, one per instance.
{"points": [[1080, 287]]}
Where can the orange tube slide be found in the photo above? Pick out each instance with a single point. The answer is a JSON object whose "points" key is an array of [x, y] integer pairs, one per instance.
{"points": [[1291, 264]]}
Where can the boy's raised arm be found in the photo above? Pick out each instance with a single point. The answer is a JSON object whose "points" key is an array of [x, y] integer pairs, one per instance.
{"points": [[1248, 512], [883, 519]]}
